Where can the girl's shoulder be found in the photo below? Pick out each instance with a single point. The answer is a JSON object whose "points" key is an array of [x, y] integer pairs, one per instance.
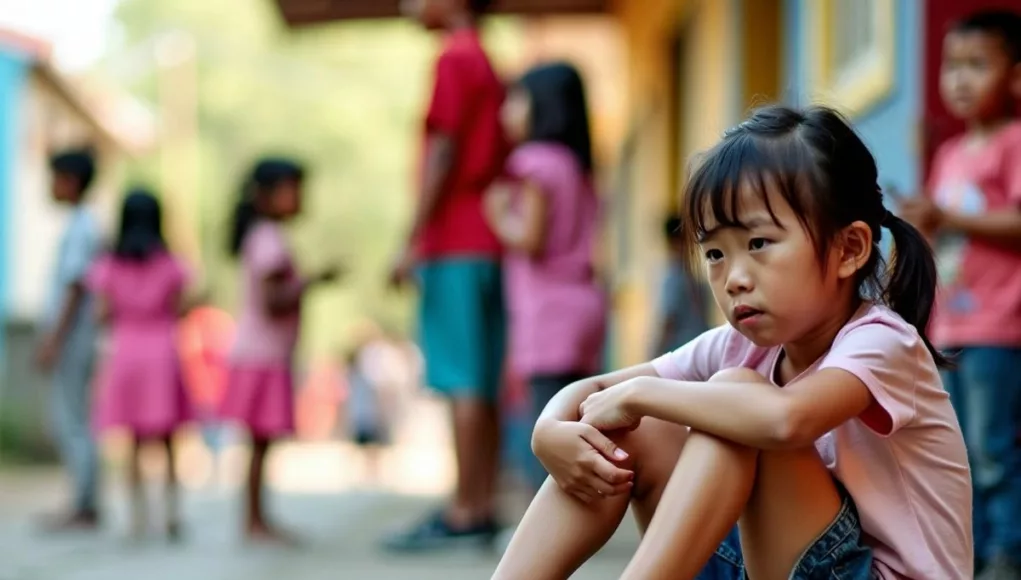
{"points": [[537, 158]]}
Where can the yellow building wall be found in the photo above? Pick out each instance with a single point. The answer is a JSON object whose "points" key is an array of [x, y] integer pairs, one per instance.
{"points": [[695, 68]]}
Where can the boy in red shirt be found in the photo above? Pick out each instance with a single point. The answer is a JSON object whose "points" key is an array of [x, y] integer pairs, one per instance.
{"points": [[456, 259], [973, 215]]}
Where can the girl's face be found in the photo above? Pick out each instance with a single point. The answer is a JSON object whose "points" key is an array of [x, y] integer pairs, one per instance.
{"points": [[285, 200], [516, 115], [767, 278]]}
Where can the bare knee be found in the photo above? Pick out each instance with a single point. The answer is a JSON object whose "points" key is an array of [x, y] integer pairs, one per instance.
{"points": [[738, 375], [653, 449]]}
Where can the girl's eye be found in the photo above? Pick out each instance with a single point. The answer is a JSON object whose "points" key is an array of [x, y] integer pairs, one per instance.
{"points": [[713, 256], [758, 243]]}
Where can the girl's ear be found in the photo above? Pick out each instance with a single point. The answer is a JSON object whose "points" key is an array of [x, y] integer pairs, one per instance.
{"points": [[853, 248]]}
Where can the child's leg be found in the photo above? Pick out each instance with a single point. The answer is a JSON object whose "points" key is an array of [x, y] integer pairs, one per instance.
{"points": [[689, 514], [136, 488], [558, 532], [172, 492], [785, 500], [256, 520]]}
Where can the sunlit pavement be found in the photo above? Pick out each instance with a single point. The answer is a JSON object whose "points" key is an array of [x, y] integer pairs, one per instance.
{"points": [[319, 490]]}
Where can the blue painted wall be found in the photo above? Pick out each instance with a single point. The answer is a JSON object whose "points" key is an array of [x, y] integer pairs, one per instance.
{"points": [[890, 128], [13, 75]]}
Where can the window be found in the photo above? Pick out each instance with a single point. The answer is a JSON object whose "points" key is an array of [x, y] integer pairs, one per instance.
{"points": [[852, 52]]}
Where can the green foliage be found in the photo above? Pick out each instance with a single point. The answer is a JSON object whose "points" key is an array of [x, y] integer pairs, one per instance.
{"points": [[344, 98]]}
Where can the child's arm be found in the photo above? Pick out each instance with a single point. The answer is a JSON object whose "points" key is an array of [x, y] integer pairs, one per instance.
{"points": [[523, 229], [1001, 227], [52, 344], [754, 414]]}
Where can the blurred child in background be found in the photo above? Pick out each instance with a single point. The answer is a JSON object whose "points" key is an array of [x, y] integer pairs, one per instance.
{"points": [[139, 287], [260, 392], [548, 221]]}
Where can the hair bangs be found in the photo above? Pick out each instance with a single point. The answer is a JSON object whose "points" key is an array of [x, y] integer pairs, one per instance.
{"points": [[747, 164]]}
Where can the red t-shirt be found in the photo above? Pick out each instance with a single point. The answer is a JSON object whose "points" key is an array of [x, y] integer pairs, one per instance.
{"points": [[465, 105]]}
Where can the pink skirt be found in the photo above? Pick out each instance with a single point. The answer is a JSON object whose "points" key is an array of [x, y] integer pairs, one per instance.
{"points": [[260, 397], [148, 400]]}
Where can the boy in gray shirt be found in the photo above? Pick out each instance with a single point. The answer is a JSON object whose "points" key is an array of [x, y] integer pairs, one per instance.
{"points": [[67, 350]]}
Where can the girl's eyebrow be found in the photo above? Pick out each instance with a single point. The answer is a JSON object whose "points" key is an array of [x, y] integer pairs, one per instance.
{"points": [[752, 223]]}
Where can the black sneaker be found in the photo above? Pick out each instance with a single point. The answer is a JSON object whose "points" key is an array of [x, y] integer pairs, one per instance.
{"points": [[1001, 568], [434, 533]]}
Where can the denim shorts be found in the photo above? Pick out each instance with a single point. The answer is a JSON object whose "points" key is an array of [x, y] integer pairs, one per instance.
{"points": [[838, 554]]}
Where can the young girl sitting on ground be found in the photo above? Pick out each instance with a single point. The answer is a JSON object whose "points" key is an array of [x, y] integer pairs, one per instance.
{"points": [[808, 438]]}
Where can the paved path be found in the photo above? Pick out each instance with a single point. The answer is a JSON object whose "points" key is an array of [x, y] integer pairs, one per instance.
{"points": [[317, 489], [339, 529]]}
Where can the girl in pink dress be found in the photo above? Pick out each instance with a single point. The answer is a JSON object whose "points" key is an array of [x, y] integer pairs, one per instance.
{"points": [[260, 392], [548, 221], [139, 287]]}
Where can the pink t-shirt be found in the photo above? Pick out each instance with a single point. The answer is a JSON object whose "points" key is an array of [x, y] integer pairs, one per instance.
{"points": [[557, 308], [912, 484], [264, 339], [980, 299]]}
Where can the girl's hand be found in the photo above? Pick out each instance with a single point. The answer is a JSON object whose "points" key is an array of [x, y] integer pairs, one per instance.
{"points": [[609, 409], [583, 461]]}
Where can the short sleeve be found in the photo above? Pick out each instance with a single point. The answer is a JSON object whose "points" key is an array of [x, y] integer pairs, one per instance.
{"points": [[697, 360], [98, 278], [448, 107], [533, 164], [885, 356], [80, 252], [266, 250]]}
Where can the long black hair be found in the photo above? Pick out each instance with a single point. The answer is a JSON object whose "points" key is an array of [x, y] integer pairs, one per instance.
{"points": [[559, 109], [141, 230], [261, 181], [829, 178]]}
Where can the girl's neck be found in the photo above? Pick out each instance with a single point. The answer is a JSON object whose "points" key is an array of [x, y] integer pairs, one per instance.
{"points": [[461, 21], [801, 354], [980, 131]]}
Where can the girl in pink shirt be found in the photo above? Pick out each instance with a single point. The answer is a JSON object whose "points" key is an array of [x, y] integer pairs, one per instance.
{"points": [[140, 286], [260, 392], [810, 437], [548, 221]]}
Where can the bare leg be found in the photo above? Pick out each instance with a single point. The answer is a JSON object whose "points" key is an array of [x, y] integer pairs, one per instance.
{"points": [[476, 443], [784, 499], [172, 493], [139, 517], [686, 507], [559, 533], [258, 527]]}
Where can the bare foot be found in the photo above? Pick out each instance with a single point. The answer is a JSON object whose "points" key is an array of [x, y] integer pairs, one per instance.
{"points": [[272, 535]]}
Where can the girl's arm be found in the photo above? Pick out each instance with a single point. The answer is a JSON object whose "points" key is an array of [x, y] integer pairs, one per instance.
{"points": [[283, 294], [104, 313], [564, 406], [759, 415], [521, 230]]}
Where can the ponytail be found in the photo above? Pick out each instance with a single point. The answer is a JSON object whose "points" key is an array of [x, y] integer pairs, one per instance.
{"points": [[245, 215], [910, 290]]}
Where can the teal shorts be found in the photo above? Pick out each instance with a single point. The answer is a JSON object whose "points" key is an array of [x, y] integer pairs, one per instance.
{"points": [[462, 327]]}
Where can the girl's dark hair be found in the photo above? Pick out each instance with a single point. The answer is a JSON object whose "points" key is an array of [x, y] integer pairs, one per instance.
{"points": [[559, 109], [141, 231], [823, 170], [262, 180]]}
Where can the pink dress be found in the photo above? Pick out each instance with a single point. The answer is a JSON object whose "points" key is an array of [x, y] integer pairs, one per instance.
{"points": [[260, 388], [140, 381]]}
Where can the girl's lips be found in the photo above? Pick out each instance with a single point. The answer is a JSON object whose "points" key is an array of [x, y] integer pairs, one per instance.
{"points": [[742, 313]]}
